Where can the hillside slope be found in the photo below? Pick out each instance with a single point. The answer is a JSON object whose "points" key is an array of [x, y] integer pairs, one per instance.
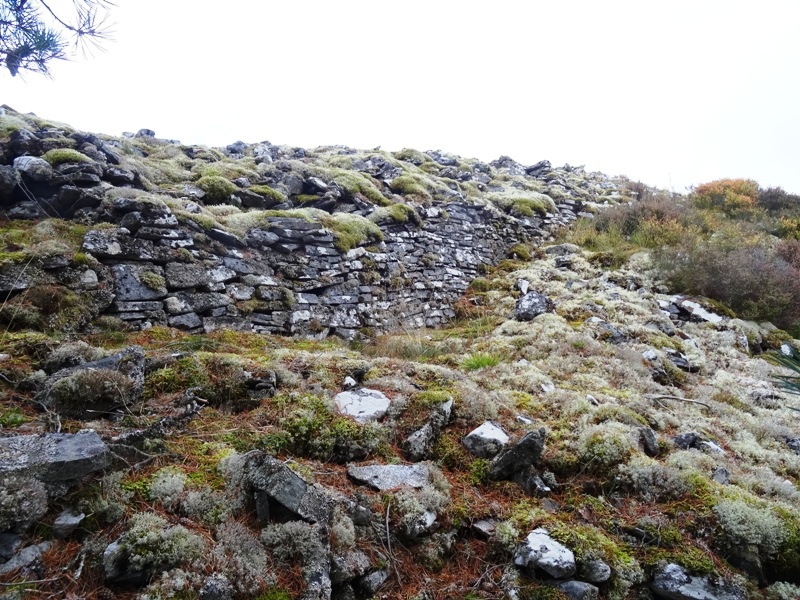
{"points": [[567, 430]]}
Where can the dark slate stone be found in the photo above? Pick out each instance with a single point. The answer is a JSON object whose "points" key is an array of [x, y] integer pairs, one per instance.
{"points": [[579, 590], [131, 282], [226, 238], [526, 452], [531, 305], [117, 245], [278, 489], [674, 583], [186, 321], [649, 441], [684, 441], [53, 457]]}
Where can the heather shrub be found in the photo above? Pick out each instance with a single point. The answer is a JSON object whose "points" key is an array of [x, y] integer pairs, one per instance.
{"points": [[605, 445], [734, 197], [755, 282], [777, 200]]}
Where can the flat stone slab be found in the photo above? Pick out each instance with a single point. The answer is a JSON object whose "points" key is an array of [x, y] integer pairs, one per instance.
{"points": [[53, 457], [363, 404], [388, 477]]}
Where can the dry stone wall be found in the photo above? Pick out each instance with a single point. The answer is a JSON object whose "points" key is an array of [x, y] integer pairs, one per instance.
{"points": [[159, 247], [290, 278]]}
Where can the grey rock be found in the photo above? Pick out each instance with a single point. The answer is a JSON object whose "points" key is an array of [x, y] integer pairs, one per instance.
{"points": [[116, 244], [369, 584], [217, 587], [138, 282], [419, 444], [687, 440], [526, 452], [649, 441], [562, 250], [181, 275], [579, 590], [113, 561], [699, 312], [528, 479], [721, 475], [54, 457], [389, 477], [362, 404], [531, 305], [594, 570], [67, 522], [28, 560], [185, 321], [348, 566], [419, 526], [278, 489], [540, 551], [9, 544], [485, 528], [9, 179], [486, 440], [34, 169], [674, 583]]}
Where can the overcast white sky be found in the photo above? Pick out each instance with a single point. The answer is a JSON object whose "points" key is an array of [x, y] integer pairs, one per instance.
{"points": [[671, 93]]}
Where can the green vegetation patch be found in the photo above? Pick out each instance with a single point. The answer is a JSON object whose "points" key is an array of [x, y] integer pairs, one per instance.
{"points": [[58, 156]]}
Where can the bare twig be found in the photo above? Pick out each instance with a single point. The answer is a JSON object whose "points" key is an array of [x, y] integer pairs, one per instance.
{"points": [[657, 397]]}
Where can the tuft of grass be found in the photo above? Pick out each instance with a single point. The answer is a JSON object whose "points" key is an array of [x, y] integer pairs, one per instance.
{"points": [[480, 360]]}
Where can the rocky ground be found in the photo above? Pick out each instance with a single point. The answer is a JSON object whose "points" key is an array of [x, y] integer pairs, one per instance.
{"points": [[195, 403]]}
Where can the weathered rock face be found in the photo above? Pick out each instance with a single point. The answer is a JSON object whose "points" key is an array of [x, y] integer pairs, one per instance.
{"points": [[674, 583]]}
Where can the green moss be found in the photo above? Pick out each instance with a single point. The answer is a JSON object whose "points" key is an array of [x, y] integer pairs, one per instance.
{"points": [[268, 193], [153, 280], [351, 230], [410, 185], [519, 251], [11, 418], [58, 156], [430, 398], [413, 156], [306, 198], [358, 183], [217, 188]]}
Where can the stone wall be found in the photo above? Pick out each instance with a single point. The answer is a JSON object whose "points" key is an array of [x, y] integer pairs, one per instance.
{"points": [[290, 278]]}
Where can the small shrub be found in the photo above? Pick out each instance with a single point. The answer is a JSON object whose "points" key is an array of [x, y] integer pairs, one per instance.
{"points": [[294, 539], [734, 197]]}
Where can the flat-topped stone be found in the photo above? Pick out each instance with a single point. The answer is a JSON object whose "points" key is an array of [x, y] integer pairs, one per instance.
{"points": [[388, 477], [362, 404]]}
